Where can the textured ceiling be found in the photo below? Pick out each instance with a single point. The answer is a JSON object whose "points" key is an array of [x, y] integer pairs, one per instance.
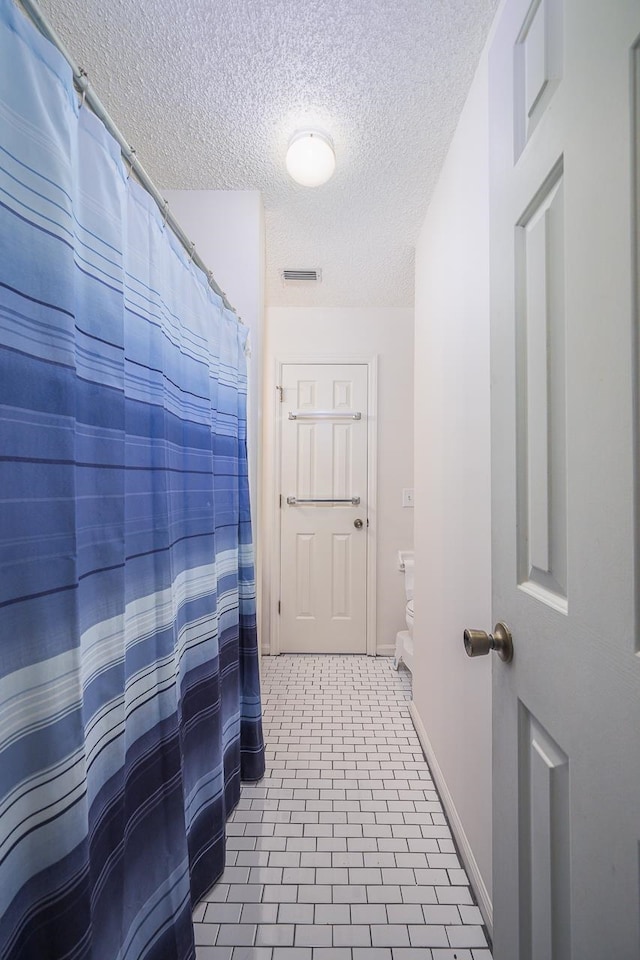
{"points": [[210, 91]]}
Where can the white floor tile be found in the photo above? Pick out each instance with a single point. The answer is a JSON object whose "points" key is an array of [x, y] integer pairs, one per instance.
{"points": [[343, 851]]}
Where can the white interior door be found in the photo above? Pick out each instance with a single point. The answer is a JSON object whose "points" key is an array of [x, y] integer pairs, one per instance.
{"points": [[324, 534], [566, 747]]}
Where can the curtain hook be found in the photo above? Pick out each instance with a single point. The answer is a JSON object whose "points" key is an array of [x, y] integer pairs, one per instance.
{"points": [[210, 278], [83, 82], [192, 251], [132, 161], [165, 213]]}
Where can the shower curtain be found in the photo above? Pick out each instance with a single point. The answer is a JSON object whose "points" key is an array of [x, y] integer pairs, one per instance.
{"points": [[129, 690]]}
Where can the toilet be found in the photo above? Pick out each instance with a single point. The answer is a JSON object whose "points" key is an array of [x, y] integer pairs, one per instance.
{"points": [[404, 638]]}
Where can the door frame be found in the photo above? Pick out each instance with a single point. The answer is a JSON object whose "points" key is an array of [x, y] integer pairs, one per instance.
{"points": [[371, 362]]}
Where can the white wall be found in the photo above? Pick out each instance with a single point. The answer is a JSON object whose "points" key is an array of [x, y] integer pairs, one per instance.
{"points": [[341, 333], [452, 694]]}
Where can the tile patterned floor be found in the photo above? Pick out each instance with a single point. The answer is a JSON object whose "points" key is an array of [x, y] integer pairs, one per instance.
{"points": [[342, 852]]}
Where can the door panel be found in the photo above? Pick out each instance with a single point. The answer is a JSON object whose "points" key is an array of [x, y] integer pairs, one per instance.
{"points": [[566, 762], [538, 57], [323, 555], [544, 834], [541, 403], [305, 596], [341, 575]]}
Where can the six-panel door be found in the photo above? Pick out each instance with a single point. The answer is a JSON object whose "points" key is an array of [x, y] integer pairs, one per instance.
{"points": [[323, 533], [563, 81]]}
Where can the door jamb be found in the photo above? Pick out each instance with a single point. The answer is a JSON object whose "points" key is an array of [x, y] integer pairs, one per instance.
{"points": [[371, 362]]}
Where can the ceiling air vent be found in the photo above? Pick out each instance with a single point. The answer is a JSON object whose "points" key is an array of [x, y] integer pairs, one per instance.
{"points": [[302, 276]]}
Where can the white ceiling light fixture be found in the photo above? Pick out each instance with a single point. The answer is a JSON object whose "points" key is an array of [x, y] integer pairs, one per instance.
{"points": [[311, 159]]}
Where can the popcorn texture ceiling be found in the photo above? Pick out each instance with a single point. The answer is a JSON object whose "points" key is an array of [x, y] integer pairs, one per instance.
{"points": [[209, 93]]}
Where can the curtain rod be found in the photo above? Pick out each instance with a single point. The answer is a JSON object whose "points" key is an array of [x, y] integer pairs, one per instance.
{"points": [[89, 96]]}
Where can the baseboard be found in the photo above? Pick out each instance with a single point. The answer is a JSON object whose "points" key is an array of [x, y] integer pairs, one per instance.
{"points": [[466, 853], [386, 650]]}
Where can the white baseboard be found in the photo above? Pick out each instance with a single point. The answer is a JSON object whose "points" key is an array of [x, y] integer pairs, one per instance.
{"points": [[386, 650], [470, 863]]}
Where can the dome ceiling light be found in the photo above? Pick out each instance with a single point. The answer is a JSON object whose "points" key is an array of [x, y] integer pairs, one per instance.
{"points": [[311, 160]]}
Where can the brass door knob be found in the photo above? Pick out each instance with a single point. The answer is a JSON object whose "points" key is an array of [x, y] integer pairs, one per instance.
{"points": [[358, 524], [478, 643]]}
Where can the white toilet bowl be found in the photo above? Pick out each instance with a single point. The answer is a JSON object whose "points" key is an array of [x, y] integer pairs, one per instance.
{"points": [[409, 616]]}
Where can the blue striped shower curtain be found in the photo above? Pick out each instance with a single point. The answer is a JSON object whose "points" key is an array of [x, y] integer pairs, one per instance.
{"points": [[129, 690]]}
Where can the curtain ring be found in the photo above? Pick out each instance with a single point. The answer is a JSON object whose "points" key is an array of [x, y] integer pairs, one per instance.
{"points": [[132, 162], [165, 213], [83, 81]]}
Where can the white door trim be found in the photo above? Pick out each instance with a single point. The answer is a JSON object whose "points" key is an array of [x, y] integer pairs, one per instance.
{"points": [[372, 492]]}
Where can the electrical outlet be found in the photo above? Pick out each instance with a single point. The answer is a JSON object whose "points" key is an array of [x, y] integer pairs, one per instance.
{"points": [[407, 497]]}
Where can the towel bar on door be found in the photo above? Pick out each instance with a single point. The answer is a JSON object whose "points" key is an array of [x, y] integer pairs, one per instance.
{"points": [[325, 415], [293, 501]]}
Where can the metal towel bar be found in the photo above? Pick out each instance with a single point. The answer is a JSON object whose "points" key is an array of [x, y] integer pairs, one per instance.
{"points": [[325, 415], [293, 501]]}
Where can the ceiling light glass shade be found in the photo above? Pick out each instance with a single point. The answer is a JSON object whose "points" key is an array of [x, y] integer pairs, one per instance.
{"points": [[310, 158]]}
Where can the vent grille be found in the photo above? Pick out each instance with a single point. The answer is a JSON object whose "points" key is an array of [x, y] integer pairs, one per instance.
{"points": [[309, 275]]}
